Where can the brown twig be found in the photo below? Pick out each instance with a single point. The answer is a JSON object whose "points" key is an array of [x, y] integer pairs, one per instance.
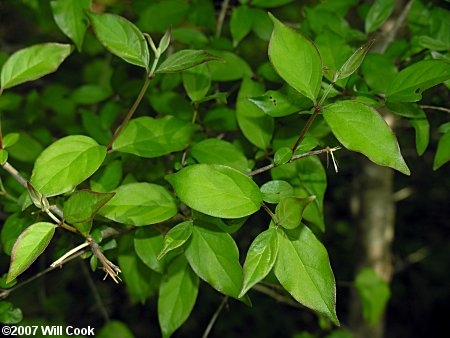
{"points": [[221, 17], [294, 158]]}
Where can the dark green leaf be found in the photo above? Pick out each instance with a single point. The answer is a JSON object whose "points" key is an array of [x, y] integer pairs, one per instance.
{"points": [[122, 38], [374, 294], [176, 237], [216, 190], [275, 191], [234, 68], [240, 23], [71, 18], [214, 257], [260, 259], [295, 59], [90, 94], [360, 128], [185, 59], [304, 270], [3, 156], [9, 314], [10, 139], [140, 204], [114, 329], [107, 178], [270, 3], [289, 212], [409, 84], [66, 163], [148, 243], [28, 246], [33, 62], [379, 70], [149, 137], [215, 151], [11, 229], [378, 13], [177, 295]]}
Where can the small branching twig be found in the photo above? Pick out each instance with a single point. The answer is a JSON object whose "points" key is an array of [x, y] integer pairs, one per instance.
{"points": [[294, 158]]}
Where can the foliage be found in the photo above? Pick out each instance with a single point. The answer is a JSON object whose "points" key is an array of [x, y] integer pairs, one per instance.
{"points": [[193, 165]]}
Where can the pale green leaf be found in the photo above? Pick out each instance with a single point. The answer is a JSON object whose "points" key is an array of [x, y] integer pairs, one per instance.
{"points": [[303, 269], [29, 246], [177, 295], [71, 18], [176, 237], [296, 59], [197, 81], [122, 38], [216, 190], [33, 62], [378, 13], [275, 191], [148, 137], [443, 151], [289, 212], [140, 204], [185, 59], [214, 257], [66, 163], [260, 258], [360, 128]]}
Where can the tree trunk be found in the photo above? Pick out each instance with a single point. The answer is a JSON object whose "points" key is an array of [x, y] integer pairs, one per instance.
{"points": [[375, 213]]}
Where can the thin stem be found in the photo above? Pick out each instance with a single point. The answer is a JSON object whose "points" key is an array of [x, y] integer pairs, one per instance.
{"points": [[317, 109], [294, 158], [1, 135], [221, 18], [424, 106], [64, 257], [5, 292], [94, 291], [194, 116], [271, 214], [15, 174], [214, 317], [132, 110], [275, 295]]}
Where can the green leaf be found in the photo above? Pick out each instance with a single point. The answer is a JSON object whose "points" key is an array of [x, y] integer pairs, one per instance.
{"points": [[256, 126], [140, 204], [353, 62], [159, 16], [374, 294], [240, 23], [26, 149], [260, 259], [9, 314], [418, 120], [82, 206], [270, 3], [296, 59], [66, 163], [114, 329], [279, 103], [378, 13], [214, 257], [408, 85], [443, 151], [33, 62], [360, 128], [107, 178], [282, 156], [148, 243], [215, 151], [289, 212], [304, 270], [10, 139], [148, 137], [11, 229], [141, 282], [176, 237], [71, 18], [185, 59], [275, 191], [234, 67], [90, 94], [197, 81], [122, 38], [216, 190], [177, 295], [3, 156], [28, 246], [379, 70]]}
